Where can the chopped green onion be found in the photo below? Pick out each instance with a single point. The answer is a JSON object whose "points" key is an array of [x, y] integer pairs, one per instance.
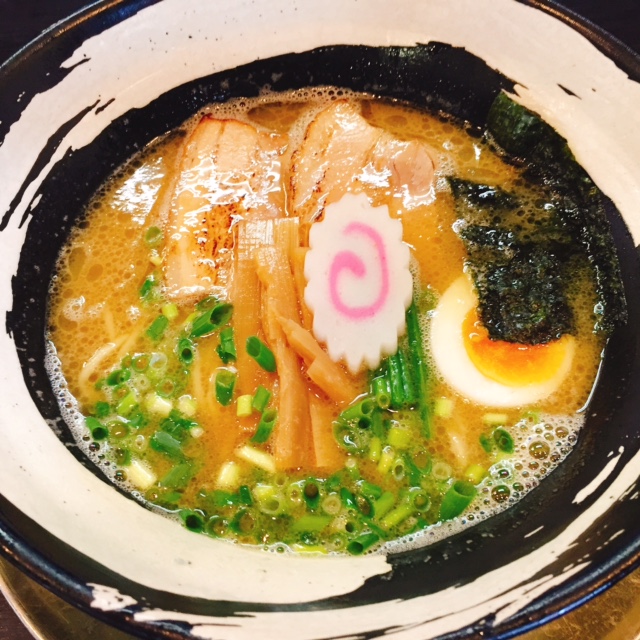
{"points": [[311, 493], [418, 365], [348, 499], [486, 443], [215, 526], [359, 414], [207, 303], [163, 442], [457, 499], [243, 406], [225, 385], [443, 407], [420, 500], [157, 328], [178, 477], [495, 419], [397, 515], [244, 494], [395, 382], [412, 471], [386, 460], [170, 311], [101, 409], [153, 236], [332, 504], [140, 363], [257, 457], [177, 426], [269, 500], [261, 399], [265, 426], [381, 391], [98, 431], [157, 405], [503, 440], [370, 490], [211, 320], [166, 388], [146, 290], [475, 473], [259, 351], [441, 470], [187, 406], [155, 258], [383, 504], [227, 347], [311, 522], [186, 351], [350, 437], [118, 377], [359, 545], [140, 475], [192, 520], [229, 475], [219, 499], [375, 449], [137, 420], [399, 437], [409, 397], [243, 521]]}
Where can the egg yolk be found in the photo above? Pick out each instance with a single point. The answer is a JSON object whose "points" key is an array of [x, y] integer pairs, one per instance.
{"points": [[510, 363]]}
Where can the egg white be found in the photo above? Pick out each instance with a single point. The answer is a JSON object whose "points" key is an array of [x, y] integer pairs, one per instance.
{"points": [[452, 361]]}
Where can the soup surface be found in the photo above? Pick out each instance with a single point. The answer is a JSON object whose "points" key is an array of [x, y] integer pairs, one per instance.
{"points": [[223, 357]]}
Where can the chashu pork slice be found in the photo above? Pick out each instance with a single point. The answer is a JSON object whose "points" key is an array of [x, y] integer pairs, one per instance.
{"points": [[229, 171], [342, 152]]}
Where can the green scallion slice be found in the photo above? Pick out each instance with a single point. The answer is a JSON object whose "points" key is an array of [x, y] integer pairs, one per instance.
{"points": [[503, 440], [457, 499], [225, 385], [98, 431], [259, 351], [265, 426], [227, 347], [311, 522], [147, 288], [193, 520], [186, 351], [118, 377], [153, 236], [178, 477], [261, 399], [157, 328], [359, 545], [164, 442], [211, 320], [244, 494], [101, 409]]}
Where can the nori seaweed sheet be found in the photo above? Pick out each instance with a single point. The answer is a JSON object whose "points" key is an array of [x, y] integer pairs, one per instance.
{"points": [[549, 163], [519, 274]]}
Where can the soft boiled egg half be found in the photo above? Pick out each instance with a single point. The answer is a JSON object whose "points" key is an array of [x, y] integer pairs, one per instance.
{"points": [[492, 372]]}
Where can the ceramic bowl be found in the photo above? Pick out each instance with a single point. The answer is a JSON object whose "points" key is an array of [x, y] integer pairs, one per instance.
{"points": [[89, 94]]}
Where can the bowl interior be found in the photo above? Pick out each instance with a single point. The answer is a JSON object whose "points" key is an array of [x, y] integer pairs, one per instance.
{"points": [[565, 539]]}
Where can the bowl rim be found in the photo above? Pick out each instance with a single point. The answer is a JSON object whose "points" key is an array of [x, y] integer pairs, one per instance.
{"points": [[63, 584]]}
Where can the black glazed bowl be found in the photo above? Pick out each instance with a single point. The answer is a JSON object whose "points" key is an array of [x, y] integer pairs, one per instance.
{"points": [[79, 103]]}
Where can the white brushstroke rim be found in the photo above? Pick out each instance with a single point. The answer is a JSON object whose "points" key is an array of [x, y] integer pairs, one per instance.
{"points": [[525, 44]]}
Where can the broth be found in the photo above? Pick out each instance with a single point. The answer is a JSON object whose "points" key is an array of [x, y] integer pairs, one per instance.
{"points": [[123, 376]]}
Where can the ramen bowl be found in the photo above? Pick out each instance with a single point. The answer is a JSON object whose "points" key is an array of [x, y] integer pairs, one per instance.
{"points": [[87, 96]]}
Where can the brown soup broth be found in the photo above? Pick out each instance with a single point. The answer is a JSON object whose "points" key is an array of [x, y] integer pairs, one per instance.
{"points": [[108, 292]]}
